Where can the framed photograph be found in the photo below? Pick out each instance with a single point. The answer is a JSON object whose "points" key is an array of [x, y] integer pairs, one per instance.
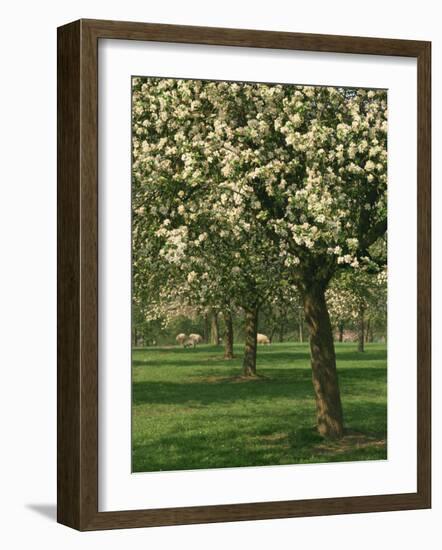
{"points": [[243, 274]]}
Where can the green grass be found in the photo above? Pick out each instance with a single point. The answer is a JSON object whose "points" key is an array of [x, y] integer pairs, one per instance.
{"points": [[191, 409]]}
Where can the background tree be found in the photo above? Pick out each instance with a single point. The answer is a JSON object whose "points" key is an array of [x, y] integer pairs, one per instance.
{"points": [[358, 298], [211, 250], [280, 314]]}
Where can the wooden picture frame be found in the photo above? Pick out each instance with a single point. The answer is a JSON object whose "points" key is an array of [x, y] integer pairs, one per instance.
{"points": [[78, 274]]}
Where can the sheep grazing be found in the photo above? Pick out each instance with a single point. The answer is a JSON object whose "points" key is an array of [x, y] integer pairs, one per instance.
{"points": [[195, 339], [189, 341], [262, 339], [181, 339]]}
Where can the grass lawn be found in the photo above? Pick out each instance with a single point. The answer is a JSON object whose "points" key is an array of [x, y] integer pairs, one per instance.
{"points": [[191, 408]]}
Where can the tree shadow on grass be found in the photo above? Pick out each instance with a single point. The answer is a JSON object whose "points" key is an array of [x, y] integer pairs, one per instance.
{"points": [[177, 356], [309, 446], [366, 417], [271, 441], [179, 350], [359, 377], [224, 390], [193, 358], [357, 356], [286, 357], [277, 383], [210, 356], [185, 362], [193, 452], [229, 441]]}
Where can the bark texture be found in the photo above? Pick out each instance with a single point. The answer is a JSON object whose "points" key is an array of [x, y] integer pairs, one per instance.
{"points": [[323, 362], [214, 329], [206, 328], [228, 336], [251, 329]]}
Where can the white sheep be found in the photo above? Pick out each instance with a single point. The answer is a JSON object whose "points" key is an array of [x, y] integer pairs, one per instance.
{"points": [[195, 339], [262, 339], [181, 339]]}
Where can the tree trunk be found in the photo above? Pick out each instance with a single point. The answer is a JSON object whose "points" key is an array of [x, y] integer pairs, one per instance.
{"points": [[361, 330], [301, 331], [214, 329], [341, 331], [323, 362], [228, 337], [251, 330], [367, 331], [281, 332], [206, 328]]}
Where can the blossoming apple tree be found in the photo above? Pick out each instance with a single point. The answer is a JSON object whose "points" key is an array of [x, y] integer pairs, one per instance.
{"points": [[239, 186], [358, 296]]}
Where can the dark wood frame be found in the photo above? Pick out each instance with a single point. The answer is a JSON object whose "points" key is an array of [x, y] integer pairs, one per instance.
{"points": [[78, 269]]}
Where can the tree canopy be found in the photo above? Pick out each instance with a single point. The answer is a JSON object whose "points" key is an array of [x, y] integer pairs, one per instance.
{"points": [[256, 179]]}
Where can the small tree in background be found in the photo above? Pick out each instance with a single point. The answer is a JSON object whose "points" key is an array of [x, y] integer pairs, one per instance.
{"points": [[358, 297]]}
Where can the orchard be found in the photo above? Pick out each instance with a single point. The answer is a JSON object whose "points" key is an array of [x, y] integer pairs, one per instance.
{"points": [[261, 203]]}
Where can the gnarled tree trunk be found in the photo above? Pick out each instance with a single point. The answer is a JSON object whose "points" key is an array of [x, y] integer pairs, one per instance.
{"points": [[214, 328], [228, 337], [323, 362], [251, 329]]}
